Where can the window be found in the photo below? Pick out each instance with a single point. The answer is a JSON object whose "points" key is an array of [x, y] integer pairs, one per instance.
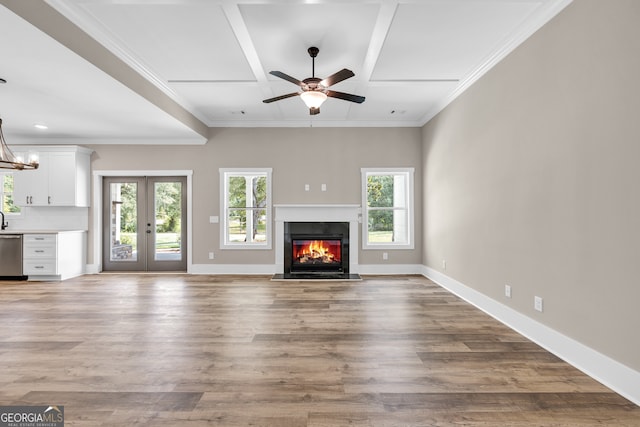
{"points": [[387, 199], [246, 203], [6, 191]]}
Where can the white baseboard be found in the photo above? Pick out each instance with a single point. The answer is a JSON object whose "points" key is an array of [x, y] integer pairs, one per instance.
{"points": [[618, 377], [250, 269], [92, 269], [385, 269]]}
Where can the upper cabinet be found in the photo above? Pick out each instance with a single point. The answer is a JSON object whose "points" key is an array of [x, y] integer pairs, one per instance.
{"points": [[62, 179]]}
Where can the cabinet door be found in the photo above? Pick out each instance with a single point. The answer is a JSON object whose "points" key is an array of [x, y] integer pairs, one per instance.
{"points": [[62, 179], [31, 187]]}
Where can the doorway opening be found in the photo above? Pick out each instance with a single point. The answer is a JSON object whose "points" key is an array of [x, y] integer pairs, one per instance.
{"points": [[144, 223]]}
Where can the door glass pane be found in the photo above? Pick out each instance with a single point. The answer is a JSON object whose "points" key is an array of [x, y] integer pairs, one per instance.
{"points": [[124, 221], [167, 219]]}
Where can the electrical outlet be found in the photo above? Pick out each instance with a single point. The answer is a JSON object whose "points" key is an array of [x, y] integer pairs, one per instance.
{"points": [[306, 187], [507, 291], [444, 264], [211, 255], [537, 304], [323, 187], [385, 256]]}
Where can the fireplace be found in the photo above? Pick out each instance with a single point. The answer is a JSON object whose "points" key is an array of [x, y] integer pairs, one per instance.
{"points": [[316, 248], [313, 253], [316, 222]]}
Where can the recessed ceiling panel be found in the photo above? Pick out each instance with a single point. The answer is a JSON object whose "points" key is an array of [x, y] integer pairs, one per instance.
{"points": [[447, 39], [282, 33], [177, 41], [221, 101], [401, 103]]}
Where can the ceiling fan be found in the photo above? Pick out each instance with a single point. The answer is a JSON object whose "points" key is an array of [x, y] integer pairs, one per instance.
{"points": [[314, 90]]}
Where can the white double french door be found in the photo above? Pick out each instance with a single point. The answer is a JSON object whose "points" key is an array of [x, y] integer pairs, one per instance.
{"points": [[144, 224]]}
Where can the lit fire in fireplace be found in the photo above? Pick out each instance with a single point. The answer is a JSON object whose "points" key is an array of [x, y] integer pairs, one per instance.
{"points": [[317, 251]]}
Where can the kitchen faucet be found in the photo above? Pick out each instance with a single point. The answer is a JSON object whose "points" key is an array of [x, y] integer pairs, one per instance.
{"points": [[4, 224]]}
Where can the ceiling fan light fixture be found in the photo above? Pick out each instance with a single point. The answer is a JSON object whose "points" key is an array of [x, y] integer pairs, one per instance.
{"points": [[313, 98], [315, 90]]}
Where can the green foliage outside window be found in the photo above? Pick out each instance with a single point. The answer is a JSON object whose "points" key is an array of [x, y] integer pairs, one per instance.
{"points": [[168, 207], [128, 207], [168, 213], [8, 205], [380, 195], [239, 207]]}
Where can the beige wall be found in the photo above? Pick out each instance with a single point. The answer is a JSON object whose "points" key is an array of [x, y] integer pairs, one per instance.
{"points": [[531, 179], [298, 156]]}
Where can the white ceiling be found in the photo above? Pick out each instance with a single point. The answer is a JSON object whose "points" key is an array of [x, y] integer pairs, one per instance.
{"points": [[163, 71]]}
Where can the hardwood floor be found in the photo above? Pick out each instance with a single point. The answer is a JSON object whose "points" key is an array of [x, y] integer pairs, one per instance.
{"points": [[181, 350]]}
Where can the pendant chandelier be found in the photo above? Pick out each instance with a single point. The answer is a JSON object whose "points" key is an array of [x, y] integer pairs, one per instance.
{"points": [[8, 160]]}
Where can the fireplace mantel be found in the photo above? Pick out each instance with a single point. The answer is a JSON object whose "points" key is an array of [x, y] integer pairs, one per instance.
{"points": [[317, 213]]}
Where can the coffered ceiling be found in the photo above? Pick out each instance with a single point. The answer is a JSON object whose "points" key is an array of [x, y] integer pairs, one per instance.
{"points": [[164, 71]]}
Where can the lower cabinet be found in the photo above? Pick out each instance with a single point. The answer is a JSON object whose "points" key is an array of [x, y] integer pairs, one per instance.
{"points": [[54, 256]]}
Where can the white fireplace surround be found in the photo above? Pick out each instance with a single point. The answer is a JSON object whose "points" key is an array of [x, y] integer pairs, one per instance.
{"points": [[318, 213]]}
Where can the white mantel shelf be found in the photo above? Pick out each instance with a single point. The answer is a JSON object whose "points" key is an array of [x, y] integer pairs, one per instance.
{"points": [[318, 213]]}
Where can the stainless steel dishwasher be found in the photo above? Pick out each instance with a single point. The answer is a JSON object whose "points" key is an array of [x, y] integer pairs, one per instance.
{"points": [[10, 255]]}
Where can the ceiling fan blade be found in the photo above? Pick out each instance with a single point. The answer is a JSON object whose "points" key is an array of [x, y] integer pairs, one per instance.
{"points": [[314, 111], [337, 77], [278, 98], [286, 77], [346, 96]]}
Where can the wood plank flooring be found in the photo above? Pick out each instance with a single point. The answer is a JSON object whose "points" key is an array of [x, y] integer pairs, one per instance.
{"points": [[195, 350]]}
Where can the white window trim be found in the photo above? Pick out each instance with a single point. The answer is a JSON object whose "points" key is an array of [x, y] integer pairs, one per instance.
{"points": [[224, 172], [409, 173]]}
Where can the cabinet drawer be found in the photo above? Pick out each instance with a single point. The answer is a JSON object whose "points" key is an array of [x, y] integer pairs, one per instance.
{"points": [[39, 251], [39, 239], [39, 267]]}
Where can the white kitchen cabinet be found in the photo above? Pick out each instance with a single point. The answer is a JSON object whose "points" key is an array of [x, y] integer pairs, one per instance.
{"points": [[54, 256], [62, 179]]}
